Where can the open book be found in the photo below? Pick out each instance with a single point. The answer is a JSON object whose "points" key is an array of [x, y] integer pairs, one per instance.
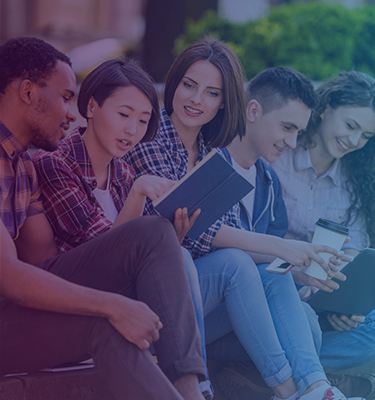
{"points": [[73, 366], [212, 185]]}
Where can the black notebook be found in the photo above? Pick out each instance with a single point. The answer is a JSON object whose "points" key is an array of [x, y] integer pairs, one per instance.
{"points": [[357, 294], [213, 185]]}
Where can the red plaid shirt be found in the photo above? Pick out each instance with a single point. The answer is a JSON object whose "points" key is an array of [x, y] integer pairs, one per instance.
{"points": [[19, 191], [67, 180]]}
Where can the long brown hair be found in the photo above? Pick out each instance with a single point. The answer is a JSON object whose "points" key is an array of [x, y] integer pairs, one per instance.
{"points": [[229, 121]]}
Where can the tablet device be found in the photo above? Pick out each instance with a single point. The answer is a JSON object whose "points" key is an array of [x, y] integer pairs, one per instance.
{"points": [[357, 294]]}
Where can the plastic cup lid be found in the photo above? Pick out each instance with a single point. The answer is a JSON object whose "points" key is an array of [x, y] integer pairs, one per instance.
{"points": [[332, 226]]}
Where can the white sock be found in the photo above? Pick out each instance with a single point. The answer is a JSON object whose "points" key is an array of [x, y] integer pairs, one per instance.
{"points": [[317, 393], [292, 397]]}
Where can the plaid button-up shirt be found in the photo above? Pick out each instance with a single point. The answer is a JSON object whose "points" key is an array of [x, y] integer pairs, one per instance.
{"points": [[67, 181], [166, 156], [19, 190]]}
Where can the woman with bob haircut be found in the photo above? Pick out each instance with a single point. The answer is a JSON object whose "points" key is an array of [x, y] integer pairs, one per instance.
{"points": [[87, 187], [205, 108], [332, 171]]}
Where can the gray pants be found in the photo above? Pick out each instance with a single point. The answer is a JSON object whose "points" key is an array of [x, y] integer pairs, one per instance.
{"points": [[142, 259]]}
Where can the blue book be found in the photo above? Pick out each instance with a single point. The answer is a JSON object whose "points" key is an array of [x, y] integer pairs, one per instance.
{"points": [[213, 185]]}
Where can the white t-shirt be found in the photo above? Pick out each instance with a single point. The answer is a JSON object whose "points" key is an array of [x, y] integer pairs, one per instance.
{"points": [[105, 199], [250, 175]]}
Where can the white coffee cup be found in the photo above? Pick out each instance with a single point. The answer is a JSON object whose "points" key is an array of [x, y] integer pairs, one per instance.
{"points": [[331, 234]]}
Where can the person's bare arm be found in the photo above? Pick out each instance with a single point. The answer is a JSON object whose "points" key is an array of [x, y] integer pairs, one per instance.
{"points": [[293, 251], [36, 243], [153, 187], [33, 287], [145, 186]]}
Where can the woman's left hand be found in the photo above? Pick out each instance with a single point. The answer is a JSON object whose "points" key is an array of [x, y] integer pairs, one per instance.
{"points": [[182, 223], [343, 323]]}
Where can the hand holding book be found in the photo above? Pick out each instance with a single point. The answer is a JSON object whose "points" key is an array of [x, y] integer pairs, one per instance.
{"points": [[212, 186], [182, 222]]}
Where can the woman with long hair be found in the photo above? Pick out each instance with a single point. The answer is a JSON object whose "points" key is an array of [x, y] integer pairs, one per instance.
{"points": [[331, 174]]}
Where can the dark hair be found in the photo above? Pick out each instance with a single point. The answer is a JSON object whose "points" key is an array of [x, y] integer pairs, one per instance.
{"points": [[353, 89], [111, 75], [274, 87], [28, 58], [229, 121]]}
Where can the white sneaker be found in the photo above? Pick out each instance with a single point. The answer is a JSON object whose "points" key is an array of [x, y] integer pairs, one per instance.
{"points": [[333, 393]]}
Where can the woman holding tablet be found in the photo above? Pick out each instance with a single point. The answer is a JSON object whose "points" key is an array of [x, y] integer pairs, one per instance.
{"points": [[87, 188]]}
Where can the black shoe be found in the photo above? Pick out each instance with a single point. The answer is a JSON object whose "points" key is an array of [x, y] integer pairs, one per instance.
{"points": [[242, 381], [355, 385]]}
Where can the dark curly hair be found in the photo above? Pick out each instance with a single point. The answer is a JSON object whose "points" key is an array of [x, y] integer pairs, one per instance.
{"points": [[27, 58], [230, 120], [354, 89]]}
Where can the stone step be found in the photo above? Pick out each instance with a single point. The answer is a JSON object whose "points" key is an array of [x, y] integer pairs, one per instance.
{"points": [[69, 385]]}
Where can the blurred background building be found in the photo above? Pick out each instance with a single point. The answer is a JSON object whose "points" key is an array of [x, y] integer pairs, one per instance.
{"points": [[144, 28]]}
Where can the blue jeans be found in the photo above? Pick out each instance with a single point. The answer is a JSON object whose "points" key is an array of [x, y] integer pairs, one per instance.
{"points": [[265, 313], [349, 349], [192, 275]]}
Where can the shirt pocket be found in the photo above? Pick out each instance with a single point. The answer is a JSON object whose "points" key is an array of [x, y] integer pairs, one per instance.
{"points": [[336, 214], [290, 205]]}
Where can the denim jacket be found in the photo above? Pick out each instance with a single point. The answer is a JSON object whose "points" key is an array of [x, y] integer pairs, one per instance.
{"points": [[269, 214]]}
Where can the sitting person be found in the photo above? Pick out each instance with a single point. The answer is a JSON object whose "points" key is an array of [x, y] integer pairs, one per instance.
{"points": [[98, 300], [204, 108], [331, 174], [87, 188]]}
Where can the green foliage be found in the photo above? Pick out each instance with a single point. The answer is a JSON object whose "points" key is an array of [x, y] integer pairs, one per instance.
{"points": [[317, 39], [213, 27], [364, 51]]}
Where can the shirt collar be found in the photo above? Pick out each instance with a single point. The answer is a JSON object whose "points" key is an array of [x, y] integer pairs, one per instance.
{"points": [[302, 161], [168, 127], [11, 145], [83, 160]]}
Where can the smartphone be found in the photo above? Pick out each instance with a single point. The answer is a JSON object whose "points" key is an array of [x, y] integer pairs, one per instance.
{"points": [[279, 266]]}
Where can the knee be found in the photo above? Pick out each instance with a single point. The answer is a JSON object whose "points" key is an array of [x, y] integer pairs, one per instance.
{"points": [[148, 231], [239, 264], [150, 225]]}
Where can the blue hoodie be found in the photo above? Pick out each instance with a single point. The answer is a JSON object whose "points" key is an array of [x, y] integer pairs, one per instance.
{"points": [[269, 214]]}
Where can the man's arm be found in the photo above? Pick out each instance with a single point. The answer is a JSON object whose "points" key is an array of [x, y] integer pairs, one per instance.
{"points": [[35, 242], [293, 251], [35, 288]]}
